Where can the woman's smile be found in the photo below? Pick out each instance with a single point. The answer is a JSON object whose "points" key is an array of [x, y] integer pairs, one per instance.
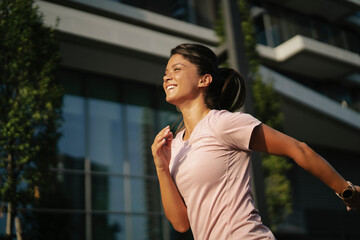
{"points": [[180, 80]]}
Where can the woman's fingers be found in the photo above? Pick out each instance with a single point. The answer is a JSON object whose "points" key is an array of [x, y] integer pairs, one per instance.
{"points": [[161, 148], [164, 136], [169, 139], [159, 137]]}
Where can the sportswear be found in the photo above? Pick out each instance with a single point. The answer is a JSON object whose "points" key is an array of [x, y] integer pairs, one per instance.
{"points": [[212, 173]]}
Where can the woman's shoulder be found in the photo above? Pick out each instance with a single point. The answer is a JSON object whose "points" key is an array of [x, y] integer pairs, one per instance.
{"points": [[223, 119], [219, 114], [224, 115], [233, 128]]}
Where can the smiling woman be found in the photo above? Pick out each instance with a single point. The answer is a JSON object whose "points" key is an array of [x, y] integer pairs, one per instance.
{"points": [[204, 172], [178, 82]]}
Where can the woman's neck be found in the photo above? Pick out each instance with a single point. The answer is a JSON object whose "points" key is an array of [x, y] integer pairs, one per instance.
{"points": [[192, 115]]}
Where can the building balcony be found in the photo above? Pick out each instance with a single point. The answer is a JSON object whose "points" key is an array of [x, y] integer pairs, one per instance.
{"points": [[117, 39], [311, 58], [330, 70], [335, 11], [313, 117], [123, 26]]}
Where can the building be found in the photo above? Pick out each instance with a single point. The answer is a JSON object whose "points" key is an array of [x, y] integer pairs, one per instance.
{"points": [[113, 57], [310, 50]]}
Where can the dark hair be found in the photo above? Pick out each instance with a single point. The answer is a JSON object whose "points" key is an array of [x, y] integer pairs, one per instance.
{"points": [[227, 90]]}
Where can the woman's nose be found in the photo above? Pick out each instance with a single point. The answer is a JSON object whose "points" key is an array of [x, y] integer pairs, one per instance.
{"points": [[167, 77]]}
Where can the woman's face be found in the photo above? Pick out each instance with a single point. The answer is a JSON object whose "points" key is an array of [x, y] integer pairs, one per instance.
{"points": [[181, 80]]}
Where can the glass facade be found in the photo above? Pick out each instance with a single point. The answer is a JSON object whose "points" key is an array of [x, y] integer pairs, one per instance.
{"points": [[200, 12], [279, 24], [108, 187]]}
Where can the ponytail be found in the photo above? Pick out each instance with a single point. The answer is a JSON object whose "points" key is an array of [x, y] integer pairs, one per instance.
{"points": [[227, 91]]}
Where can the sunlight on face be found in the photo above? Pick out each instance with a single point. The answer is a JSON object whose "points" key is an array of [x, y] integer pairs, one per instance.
{"points": [[181, 80]]}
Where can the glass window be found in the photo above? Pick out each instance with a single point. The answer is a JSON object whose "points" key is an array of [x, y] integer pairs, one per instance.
{"points": [[288, 25], [145, 195], [108, 226], [197, 12], [71, 192], [65, 191], [302, 24], [113, 123], [106, 136], [103, 88], [72, 143], [55, 226], [260, 30], [336, 37], [107, 192], [321, 31], [168, 118], [147, 227], [140, 132], [273, 26], [353, 41], [355, 18], [138, 94]]}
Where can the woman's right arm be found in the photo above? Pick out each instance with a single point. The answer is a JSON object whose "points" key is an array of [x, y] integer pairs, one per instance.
{"points": [[174, 206]]}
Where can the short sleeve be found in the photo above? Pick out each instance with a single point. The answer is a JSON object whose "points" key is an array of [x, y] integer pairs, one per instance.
{"points": [[234, 129]]}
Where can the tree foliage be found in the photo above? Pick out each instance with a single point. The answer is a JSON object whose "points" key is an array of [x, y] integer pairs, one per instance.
{"points": [[30, 103]]}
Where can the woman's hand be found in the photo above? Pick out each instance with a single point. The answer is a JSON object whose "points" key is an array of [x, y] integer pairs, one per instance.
{"points": [[174, 206], [354, 202], [161, 149]]}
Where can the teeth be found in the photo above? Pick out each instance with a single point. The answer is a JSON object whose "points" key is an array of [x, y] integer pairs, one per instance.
{"points": [[170, 87]]}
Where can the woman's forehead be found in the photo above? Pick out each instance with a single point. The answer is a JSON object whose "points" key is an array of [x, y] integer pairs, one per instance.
{"points": [[177, 57], [176, 60]]}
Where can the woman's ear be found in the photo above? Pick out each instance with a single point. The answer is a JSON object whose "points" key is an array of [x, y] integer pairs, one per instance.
{"points": [[205, 80]]}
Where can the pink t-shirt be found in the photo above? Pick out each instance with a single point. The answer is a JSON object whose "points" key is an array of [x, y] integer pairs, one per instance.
{"points": [[211, 170]]}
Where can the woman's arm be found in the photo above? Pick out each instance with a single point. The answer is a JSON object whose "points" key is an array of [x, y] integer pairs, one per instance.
{"points": [[174, 206], [268, 140]]}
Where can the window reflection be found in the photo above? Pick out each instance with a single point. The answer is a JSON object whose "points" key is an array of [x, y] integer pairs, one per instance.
{"points": [[197, 12], [281, 24], [106, 136], [107, 193], [145, 195], [72, 143], [168, 118], [54, 225], [71, 193], [112, 124], [147, 227], [140, 132], [321, 31], [108, 226]]}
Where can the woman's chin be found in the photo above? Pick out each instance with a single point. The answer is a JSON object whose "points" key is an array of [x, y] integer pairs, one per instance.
{"points": [[170, 100]]}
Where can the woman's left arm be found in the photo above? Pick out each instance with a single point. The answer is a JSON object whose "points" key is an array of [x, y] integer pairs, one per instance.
{"points": [[268, 140]]}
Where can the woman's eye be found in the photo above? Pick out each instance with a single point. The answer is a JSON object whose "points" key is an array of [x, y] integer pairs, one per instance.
{"points": [[176, 69]]}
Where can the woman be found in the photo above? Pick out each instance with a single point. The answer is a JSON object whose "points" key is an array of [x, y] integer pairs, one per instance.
{"points": [[204, 171]]}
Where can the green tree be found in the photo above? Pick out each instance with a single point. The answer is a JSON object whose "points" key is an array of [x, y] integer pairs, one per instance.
{"points": [[30, 105], [267, 107]]}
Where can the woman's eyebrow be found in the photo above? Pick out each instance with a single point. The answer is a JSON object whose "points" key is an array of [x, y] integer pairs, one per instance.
{"points": [[178, 64], [175, 65]]}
